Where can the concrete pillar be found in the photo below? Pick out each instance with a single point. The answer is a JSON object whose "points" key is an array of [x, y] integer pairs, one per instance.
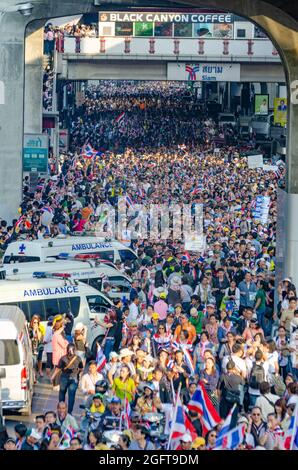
{"points": [[291, 252], [12, 32], [33, 77]]}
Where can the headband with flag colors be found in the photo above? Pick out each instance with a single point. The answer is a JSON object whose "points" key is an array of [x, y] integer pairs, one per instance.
{"points": [[232, 439], [201, 403]]}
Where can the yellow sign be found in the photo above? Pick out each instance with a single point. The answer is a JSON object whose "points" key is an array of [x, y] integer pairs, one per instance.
{"points": [[280, 111]]}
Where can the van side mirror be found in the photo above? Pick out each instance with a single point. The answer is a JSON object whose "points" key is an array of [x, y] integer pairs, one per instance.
{"points": [[2, 373]]}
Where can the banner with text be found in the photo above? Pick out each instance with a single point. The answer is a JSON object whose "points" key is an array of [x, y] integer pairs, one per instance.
{"points": [[165, 17], [204, 72]]}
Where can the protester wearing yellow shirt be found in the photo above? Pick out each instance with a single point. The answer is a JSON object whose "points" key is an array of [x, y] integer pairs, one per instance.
{"points": [[124, 386], [97, 404]]}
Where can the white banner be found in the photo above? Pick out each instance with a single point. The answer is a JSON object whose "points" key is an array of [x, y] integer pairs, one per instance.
{"points": [[255, 161], [261, 211], [204, 72]]}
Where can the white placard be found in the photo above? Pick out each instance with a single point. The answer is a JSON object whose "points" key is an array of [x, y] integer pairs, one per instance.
{"points": [[255, 161], [195, 243], [270, 168]]}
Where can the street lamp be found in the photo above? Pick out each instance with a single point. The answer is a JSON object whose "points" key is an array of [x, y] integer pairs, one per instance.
{"points": [[25, 9]]}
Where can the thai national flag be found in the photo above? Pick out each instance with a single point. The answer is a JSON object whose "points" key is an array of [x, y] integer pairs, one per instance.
{"points": [[68, 435], [227, 423], [178, 424], [47, 209], [100, 359], [129, 201], [120, 117], [277, 173], [141, 192], [187, 358], [19, 223], [201, 403], [196, 191], [232, 439], [291, 435], [88, 151], [181, 425]]}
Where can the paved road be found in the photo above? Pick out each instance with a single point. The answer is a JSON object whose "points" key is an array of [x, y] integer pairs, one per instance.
{"points": [[44, 399]]}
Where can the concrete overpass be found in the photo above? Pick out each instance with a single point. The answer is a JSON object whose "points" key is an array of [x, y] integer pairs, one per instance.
{"points": [[278, 18], [94, 67]]}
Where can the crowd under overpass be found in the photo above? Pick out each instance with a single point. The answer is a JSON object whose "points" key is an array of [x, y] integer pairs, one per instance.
{"points": [[278, 19]]}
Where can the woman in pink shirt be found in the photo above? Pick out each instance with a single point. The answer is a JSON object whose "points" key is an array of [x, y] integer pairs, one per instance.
{"points": [[59, 343]]}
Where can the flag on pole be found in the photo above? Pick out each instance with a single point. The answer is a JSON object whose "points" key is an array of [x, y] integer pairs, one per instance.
{"points": [[127, 413], [67, 436], [227, 423], [187, 358], [120, 117], [201, 403], [231, 440], [129, 201], [178, 424], [181, 425], [100, 359], [89, 152], [18, 224]]}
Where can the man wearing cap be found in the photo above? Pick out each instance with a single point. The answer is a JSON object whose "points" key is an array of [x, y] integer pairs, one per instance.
{"points": [[185, 442], [97, 404], [112, 416], [126, 360], [32, 440], [199, 444]]}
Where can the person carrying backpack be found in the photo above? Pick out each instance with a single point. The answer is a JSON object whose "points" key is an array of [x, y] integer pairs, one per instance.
{"points": [[258, 374]]}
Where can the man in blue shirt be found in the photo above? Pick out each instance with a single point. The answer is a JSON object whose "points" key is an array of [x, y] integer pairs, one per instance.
{"points": [[248, 291]]}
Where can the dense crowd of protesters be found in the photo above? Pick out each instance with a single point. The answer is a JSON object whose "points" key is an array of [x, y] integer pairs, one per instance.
{"points": [[211, 318]]}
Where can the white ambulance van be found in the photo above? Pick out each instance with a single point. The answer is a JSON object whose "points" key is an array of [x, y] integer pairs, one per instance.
{"points": [[48, 297], [90, 272], [16, 359], [25, 251]]}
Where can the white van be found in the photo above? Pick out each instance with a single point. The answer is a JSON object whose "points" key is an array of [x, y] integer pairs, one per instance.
{"points": [[16, 359], [48, 297], [25, 251], [92, 273]]}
